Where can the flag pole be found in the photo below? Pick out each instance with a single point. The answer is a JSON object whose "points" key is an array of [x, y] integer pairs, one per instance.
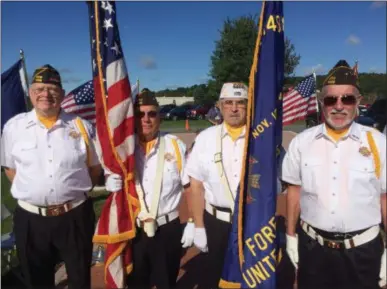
{"points": [[315, 91], [23, 59]]}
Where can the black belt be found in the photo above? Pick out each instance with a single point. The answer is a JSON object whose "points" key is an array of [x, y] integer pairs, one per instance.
{"points": [[337, 236]]}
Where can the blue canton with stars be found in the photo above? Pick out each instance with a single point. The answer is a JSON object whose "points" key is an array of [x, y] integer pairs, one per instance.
{"points": [[307, 87], [109, 38]]}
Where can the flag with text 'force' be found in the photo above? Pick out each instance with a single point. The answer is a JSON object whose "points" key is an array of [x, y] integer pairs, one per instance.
{"points": [[252, 254]]}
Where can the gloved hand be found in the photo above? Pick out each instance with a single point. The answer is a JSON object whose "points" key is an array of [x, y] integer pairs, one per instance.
{"points": [[188, 235], [292, 249], [113, 183], [383, 269], [200, 239]]}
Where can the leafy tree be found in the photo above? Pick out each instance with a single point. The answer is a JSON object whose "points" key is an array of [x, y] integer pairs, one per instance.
{"points": [[233, 55]]}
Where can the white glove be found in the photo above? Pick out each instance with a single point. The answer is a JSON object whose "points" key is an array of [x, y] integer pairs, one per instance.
{"points": [[113, 183], [383, 269], [292, 249], [188, 235], [200, 239]]}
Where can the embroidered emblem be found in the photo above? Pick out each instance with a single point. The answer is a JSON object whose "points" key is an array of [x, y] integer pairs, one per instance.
{"points": [[74, 134], [168, 157], [365, 151], [253, 181]]}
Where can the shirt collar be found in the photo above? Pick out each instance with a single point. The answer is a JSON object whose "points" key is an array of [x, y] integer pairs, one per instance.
{"points": [[155, 147], [225, 132], [353, 132], [63, 119]]}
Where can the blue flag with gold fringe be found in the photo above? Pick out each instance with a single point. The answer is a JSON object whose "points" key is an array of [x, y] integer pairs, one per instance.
{"points": [[253, 251]]}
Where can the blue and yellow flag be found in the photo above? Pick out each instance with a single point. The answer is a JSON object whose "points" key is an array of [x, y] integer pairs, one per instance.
{"points": [[252, 253]]}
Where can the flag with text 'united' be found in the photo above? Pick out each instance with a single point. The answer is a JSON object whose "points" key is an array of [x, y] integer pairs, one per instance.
{"points": [[115, 140], [13, 92], [252, 255]]}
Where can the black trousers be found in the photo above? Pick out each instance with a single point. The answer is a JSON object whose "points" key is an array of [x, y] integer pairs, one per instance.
{"points": [[217, 240], [322, 267], [41, 241], [156, 260]]}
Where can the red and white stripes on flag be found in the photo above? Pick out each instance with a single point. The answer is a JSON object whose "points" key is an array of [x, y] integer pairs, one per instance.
{"points": [[115, 141], [300, 101]]}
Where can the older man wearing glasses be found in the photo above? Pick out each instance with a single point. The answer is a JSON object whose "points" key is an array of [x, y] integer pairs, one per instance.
{"points": [[336, 174], [160, 181], [214, 167], [51, 162]]}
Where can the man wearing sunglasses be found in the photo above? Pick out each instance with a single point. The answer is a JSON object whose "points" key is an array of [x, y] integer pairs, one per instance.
{"points": [[336, 174], [160, 181]]}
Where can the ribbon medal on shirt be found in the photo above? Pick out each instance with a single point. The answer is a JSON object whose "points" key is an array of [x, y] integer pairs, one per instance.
{"points": [[74, 134], [364, 151], [168, 157]]}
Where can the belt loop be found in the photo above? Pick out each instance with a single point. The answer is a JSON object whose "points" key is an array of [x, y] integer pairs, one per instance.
{"points": [[86, 196], [40, 211], [167, 218]]}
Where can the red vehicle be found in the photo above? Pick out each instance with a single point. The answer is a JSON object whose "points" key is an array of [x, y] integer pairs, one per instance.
{"points": [[198, 112]]}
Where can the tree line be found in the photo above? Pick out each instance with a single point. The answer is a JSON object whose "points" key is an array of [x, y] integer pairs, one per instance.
{"points": [[232, 58]]}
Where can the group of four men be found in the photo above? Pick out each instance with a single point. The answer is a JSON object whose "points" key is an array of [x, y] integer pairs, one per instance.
{"points": [[335, 175]]}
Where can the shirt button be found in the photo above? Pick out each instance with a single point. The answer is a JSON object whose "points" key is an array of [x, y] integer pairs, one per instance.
{"points": [[235, 175], [51, 190], [235, 160], [49, 146], [333, 194], [50, 176], [334, 178], [333, 212], [50, 161], [335, 162]]}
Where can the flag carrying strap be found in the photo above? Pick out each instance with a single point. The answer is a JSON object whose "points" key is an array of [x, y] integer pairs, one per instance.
{"points": [[375, 153], [82, 130], [178, 154], [219, 164], [152, 211]]}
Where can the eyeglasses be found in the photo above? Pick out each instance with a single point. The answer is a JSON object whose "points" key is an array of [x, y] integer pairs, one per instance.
{"points": [[51, 90], [150, 114], [346, 99], [241, 103]]}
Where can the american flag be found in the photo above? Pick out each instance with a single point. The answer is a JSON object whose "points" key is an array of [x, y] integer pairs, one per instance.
{"points": [[80, 101], [115, 141], [300, 101]]}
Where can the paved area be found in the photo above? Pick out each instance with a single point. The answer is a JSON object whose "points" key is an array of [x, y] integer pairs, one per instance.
{"points": [[191, 260]]}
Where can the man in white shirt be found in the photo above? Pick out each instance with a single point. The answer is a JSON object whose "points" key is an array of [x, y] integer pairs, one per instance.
{"points": [[50, 159], [218, 148], [336, 174], [160, 182]]}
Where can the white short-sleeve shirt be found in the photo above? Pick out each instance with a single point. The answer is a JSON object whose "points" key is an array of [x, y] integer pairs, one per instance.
{"points": [[202, 167], [340, 191], [173, 179], [51, 164]]}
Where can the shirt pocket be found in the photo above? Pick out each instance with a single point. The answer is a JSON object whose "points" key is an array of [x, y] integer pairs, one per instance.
{"points": [[362, 180], [26, 153], [171, 177], [73, 154], [311, 175]]}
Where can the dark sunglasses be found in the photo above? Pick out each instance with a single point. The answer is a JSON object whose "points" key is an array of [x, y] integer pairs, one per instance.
{"points": [[346, 99], [150, 114]]}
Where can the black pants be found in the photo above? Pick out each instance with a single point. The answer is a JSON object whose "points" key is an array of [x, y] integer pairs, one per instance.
{"points": [[217, 240], [41, 241], [322, 267], [156, 260]]}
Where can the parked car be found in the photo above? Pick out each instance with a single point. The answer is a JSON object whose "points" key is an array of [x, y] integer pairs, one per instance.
{"points": [[376, 114], [198, 112], [164, 109], [179, 112]]}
